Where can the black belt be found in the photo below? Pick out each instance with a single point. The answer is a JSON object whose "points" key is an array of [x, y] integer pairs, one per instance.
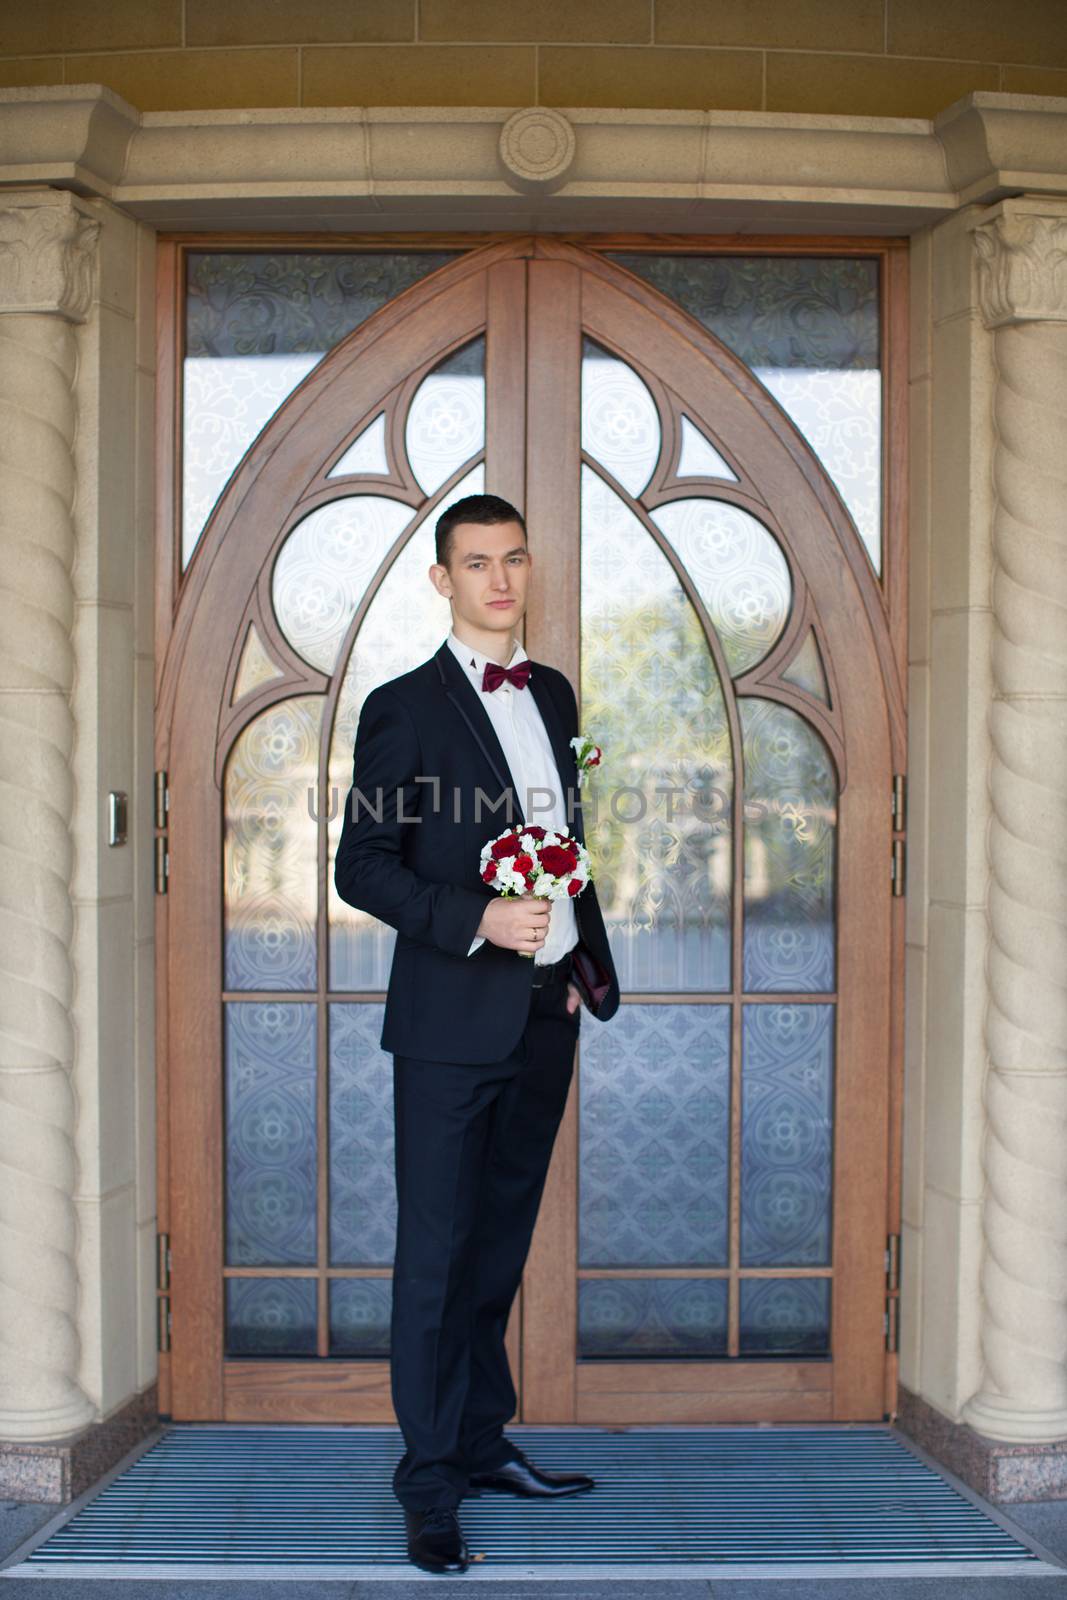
{"points": [[551, 972]]}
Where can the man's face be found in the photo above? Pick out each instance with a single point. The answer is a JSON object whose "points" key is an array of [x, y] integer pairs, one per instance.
{"points": [[487, 575]]}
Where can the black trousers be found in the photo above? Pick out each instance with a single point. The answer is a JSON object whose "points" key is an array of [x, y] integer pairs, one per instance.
{"points": [[473, 1144]]}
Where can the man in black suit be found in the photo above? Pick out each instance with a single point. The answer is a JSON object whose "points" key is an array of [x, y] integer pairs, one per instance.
{"points": [[447, 757]]}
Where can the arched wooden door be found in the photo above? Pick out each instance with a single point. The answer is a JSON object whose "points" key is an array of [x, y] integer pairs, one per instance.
{"points": [[711, 1245]]}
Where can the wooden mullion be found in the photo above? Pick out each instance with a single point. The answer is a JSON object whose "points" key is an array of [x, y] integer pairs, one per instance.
{"points": [[553, 622], [655, 1273], [307, 1272]]}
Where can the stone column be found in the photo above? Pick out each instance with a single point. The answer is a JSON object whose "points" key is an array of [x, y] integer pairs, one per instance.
{"points": [[47, 255], [1022, 278]]}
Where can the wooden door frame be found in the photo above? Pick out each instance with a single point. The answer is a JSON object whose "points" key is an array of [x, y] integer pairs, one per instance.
{"points": [[194, 1309], [833, 570]]}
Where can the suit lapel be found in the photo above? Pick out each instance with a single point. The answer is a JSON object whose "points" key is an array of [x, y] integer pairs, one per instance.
{"points": [[467, 701], [465, 698], [566, 761]]}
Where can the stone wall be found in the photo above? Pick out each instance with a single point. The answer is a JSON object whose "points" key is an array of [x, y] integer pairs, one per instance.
{"points": [[901, 58]]}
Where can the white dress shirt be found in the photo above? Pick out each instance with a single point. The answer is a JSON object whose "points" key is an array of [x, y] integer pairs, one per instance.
{"points": [[535, 778]]}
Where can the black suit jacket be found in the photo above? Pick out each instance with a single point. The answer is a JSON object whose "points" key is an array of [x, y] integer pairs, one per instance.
{"points": [[422, 876]]}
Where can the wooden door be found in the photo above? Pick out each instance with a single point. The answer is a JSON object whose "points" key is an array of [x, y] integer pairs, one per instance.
{"points": [[683, 1268]]}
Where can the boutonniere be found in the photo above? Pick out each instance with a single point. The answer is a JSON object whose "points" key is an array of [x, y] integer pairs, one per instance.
{"points": [[587, 754]]}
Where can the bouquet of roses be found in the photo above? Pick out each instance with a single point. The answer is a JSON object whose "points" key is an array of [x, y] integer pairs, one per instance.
{"points": [[536, 860]]}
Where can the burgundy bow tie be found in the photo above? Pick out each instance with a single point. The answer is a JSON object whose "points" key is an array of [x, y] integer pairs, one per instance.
{"points": [[494, 674]]}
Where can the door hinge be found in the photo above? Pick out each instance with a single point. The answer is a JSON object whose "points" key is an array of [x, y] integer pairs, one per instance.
{"points": [[162, 799], [891, 1320], [892, 1308], [897, 867], [163, 1262], [162, 814], [162, 864], [892, 1263], [163, 1324], [897, 864]]}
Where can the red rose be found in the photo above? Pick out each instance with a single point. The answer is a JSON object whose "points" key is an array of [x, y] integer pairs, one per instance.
{"points": [[523, 864], [558, 861], [594, 761], [506, 846], [490, 872], [535, 831], [575, 885]]}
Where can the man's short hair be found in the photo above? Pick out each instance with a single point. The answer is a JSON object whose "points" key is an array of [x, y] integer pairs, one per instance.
{"points": [[484, 509]]}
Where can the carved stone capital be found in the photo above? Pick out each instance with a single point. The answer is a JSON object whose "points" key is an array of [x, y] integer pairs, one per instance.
{"points": [[47, 254], [537, 149], [1022, 261]]}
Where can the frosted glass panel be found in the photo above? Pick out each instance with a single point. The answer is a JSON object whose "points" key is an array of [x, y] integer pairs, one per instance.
{"points": [[360, 1313], [270, 1317], [654, 1144], [255, 667], [787, 1135], [806, 670], [362, 1182], [255, 326], [620, 424], [791, 818], [808, 327], [651, 697], [404, 625], [785, 1317], [365, 454], [839, 413], [269, 848], [446, 422], [738, 570], [324, 568], [225, 405], [650, 1317], [270, 1134], [698, 457]]}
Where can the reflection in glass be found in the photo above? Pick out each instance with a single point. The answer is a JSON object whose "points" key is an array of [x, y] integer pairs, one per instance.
{"points": [[366, 453], [360, 1312], [654, 1142], [324, 567], [698, 457], [650, 696], [790, 822], [786, 1135], [806, 670], [405, 623], [362, 1182], [255, 326], [785, 1317], [808, 327], [270, 1134], [652, 1317], [270, 1317], [738, 570], [446, 422], [620, 424], [255, 667], [270, 871]]}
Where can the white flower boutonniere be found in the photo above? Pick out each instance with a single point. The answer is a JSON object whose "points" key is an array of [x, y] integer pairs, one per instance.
{"points": [[587, 755]]}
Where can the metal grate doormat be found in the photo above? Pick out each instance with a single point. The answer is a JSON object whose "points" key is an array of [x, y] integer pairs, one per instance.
{"points": [[320, 1497]]}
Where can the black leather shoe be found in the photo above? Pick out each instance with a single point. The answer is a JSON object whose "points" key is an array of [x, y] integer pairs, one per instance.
{"points": [[435, 1540], [522, 1477]]}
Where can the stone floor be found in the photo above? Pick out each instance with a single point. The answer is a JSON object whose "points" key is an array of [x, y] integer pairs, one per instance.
{"points": [[1045, 1521]]}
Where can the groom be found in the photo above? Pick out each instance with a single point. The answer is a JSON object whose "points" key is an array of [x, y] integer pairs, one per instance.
{"points": [[447, 756]]}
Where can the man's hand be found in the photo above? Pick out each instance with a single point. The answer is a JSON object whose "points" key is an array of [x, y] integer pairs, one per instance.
{"points": [[516, 922], [574, 999]]}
